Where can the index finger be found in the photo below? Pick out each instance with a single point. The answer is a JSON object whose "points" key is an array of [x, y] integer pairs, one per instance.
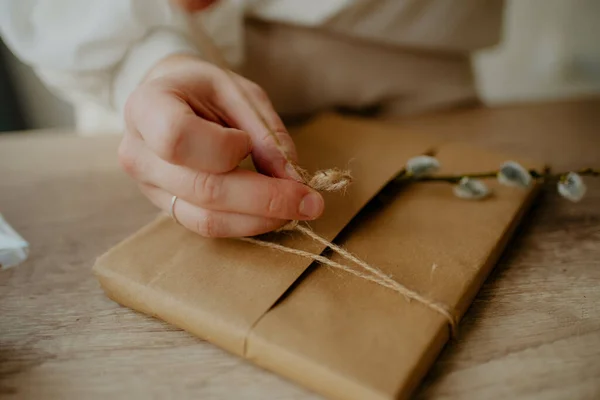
{"points": [[249, 108], [173, 131]]}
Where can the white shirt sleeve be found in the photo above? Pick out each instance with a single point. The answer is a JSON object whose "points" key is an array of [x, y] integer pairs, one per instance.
{"points": [[92, 51]]}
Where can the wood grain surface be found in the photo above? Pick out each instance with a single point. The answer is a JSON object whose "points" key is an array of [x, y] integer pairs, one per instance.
{"points": [[533, 331]]}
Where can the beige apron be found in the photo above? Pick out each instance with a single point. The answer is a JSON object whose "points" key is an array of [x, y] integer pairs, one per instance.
{"points": [[401, 56]]}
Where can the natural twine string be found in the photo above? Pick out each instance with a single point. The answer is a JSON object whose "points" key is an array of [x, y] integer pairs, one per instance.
{"points": [[375, 275], [330, 180]]}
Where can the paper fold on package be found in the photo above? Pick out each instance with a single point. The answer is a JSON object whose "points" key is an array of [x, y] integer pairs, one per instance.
{"points": [[337, 334]]}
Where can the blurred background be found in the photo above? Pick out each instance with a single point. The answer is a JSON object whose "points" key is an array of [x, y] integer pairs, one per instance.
{"points": [[550, 52]]}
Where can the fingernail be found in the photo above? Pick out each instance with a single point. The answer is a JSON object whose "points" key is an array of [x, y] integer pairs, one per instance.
{"points": [[311, 205], [292, 173]]}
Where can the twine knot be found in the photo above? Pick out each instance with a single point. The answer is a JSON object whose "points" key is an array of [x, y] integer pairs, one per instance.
{"points": [[330, 180]]}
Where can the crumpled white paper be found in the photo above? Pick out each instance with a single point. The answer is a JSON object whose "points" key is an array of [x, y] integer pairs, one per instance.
{"points": [[13, 248]]}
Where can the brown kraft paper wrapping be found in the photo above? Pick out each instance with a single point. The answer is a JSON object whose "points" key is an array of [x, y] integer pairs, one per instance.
{"points": [[337, 334]]}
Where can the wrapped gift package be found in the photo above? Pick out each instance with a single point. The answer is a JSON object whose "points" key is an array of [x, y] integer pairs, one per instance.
{"points": [[335, 333]]}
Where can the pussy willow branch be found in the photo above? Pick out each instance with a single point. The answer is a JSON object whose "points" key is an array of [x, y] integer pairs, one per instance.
{"points": [[545, 175]]}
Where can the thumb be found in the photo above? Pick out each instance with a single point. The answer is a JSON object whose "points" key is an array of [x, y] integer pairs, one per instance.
{"points": [[273, 156]]}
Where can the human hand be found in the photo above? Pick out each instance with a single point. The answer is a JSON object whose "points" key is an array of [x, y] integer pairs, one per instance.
{"points": [[187, 131]]}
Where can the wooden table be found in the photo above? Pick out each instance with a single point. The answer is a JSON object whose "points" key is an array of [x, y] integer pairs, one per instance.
{"points": [[534, 330]]}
